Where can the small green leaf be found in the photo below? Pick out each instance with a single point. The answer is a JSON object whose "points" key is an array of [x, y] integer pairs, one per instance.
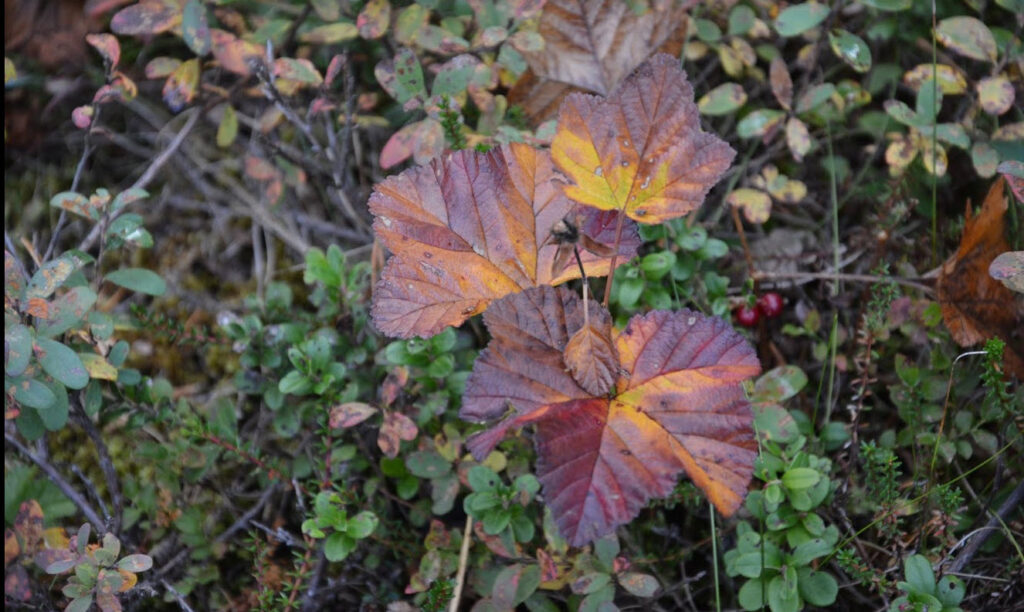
{"points": [[851, 49], [779, 385], [752, 596], [129, 196], [482, 478], [139, 280], [951, 591], [18, 349], [338, 546], [783, 594], [362, 525], [32, 393], [227, 130], [53, 273], [810, 550], [818, 588], [889, 5], [61, 363], [799, 18], [797, 479], [919, 574], [741, 19], [495, 521], [903, 113], [330, 34], [929, 101], [427, 464], [759, 123], [80, 604], [67, 311], [722, 100], [195, 30], [952, 133], [967, 36]]}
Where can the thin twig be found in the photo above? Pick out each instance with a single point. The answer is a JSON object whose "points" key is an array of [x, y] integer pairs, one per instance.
{"points": [[178, 597], [148, 175], [862, 278], [994, 523], [86, 153], [460, 577], [106, 466], [243, 521], [62, 484]]}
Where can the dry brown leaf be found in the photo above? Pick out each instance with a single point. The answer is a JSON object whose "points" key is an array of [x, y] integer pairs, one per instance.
{"points": [[592, 45], [590, 354], [976, 307]]}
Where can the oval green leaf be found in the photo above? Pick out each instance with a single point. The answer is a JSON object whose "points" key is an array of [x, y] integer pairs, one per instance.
{"points": [[61, 363], [967, 36], [722, 100], [799, 18], [139, 280], [851, 49]]}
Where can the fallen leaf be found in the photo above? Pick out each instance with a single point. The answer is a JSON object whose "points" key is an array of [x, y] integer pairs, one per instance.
{"points": [[350, 414], [756, 204], [781, 82], [470, 228], [593, 45], [395, 428], [590, 354], [642, 149], [975, 306], [678, 405]]}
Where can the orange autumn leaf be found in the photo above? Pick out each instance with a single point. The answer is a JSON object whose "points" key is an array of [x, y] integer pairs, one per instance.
{"points": [[975, 306], [593, 45], [470, 228], [678, 406], [642, 149]]}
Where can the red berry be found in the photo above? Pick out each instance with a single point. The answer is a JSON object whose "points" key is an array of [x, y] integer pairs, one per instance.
{"points": [[770, 304], [747, 316]]}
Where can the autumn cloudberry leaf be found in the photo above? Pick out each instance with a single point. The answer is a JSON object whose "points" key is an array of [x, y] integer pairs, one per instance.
{"points": [[976, 306], [592, 45], [642, 149], [470, 228], [678, 406]]}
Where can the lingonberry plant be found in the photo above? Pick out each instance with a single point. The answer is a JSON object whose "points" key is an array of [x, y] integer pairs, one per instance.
{"points": [[618, 413]]}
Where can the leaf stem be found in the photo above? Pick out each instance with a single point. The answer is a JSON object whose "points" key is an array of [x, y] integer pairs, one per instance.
{"points": [[615, 257], [714, 557]]}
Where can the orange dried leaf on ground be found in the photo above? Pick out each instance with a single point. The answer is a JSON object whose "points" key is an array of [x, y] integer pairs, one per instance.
{"points": [[470, 228], [593, 45], [975, 306], [642, 149], [677, 406]]}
